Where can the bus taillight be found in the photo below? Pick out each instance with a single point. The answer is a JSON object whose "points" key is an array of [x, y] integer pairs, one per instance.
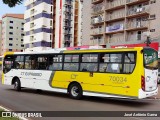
{"points": [[143, 83]]}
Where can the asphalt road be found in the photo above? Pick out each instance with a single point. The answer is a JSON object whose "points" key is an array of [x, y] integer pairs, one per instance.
{"points": [[30, 100]]}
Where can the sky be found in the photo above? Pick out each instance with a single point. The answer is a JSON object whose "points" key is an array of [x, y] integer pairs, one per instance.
{"points": [[4, 9]]}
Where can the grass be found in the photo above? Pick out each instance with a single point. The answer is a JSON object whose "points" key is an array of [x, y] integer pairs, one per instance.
{"points": [[7, 118]]}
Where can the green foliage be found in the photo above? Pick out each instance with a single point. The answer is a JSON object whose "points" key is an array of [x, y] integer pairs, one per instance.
{"points": [[12, 3]]}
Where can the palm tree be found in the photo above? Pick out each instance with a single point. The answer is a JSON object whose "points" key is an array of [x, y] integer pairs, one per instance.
{"points": [[12, 3]]}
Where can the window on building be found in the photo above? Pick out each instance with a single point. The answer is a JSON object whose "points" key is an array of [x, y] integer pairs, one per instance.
{"points": [[10, 49], [10, 38], [22, 34], [10, 44], [11, 27], [10, 21], [22, 45], [11, 33]]}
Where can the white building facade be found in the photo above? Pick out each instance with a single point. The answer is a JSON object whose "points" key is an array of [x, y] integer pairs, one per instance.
{"points": [[52, 24], [12, 33]]}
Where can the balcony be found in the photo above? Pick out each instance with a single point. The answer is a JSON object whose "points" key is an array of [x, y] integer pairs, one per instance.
{"points": [[138, 11], [117, 28], [32, 18], [114, 5], [97, 20], [98, 41], [137, 25], [117, 39], [115, 16], [67, 25], [134, 2], [67, 32], [68, 2], [32, 12], [96, 1], [68, 17], [97, 31], [134, 38], [31, 38], [97, 9], [69, 10]]}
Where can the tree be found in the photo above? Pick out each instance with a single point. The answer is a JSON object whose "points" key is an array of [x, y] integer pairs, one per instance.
{"points": [[12, 3]]}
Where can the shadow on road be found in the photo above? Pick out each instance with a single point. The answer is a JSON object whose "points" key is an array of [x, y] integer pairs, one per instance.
{"points": [[115, 101]]}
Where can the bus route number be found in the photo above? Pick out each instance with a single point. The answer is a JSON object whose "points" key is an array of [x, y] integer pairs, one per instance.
{"points": [[117, 79]]}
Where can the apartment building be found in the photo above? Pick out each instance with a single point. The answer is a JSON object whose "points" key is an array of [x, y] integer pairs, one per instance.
{"points": [[52, 24], [86, 21], [12, 33], [124, 21]]}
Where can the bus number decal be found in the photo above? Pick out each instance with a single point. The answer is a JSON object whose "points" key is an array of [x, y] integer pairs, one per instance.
{"points": [[117, 79]]}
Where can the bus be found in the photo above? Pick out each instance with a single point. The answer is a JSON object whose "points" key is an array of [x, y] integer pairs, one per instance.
{"points": [[129, 73], [1, 60]]}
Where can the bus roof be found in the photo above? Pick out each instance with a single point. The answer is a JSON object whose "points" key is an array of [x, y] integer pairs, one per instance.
{"points": [[77, 51]]}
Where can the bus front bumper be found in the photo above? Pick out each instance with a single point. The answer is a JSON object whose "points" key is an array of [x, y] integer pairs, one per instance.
{"points": [[145, 94]]}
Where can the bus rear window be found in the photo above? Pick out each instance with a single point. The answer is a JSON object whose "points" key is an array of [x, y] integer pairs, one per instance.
{"points": [[150, 58]]}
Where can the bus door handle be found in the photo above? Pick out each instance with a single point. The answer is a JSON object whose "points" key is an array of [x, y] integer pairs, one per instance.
{"points": [[91, 74]]}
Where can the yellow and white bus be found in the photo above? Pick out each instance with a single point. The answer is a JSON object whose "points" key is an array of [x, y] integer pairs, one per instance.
{"points": [[121, 73], [1, 61]]}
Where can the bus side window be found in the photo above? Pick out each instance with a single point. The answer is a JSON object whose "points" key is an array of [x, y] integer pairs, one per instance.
{"points": [[19, 62], [55, 62], [129, 62], [42, 62]]}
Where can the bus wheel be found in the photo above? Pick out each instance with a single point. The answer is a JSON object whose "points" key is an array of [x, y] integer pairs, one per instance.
{"points": [[75, 91], [17, 84]]}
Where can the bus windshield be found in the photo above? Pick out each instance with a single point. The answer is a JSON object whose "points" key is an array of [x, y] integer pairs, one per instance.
{"points": [[150, 58]]}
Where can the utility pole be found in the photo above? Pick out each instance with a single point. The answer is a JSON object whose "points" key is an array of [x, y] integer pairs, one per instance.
{"points": [[148, 41]]}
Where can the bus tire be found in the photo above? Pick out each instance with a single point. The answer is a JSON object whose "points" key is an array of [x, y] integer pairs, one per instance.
{"points": [[75, 91], [17, 84]]}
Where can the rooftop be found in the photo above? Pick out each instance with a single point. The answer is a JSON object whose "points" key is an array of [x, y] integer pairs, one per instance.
{"points": [[19, 16]]}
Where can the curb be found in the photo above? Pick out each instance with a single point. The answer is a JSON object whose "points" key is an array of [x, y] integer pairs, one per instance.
{"points": [[8, 110]]}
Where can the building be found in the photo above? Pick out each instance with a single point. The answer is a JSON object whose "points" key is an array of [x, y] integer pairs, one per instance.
{"points": [[124, 21], [52, 24], [86, 22], [12, 33]]}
